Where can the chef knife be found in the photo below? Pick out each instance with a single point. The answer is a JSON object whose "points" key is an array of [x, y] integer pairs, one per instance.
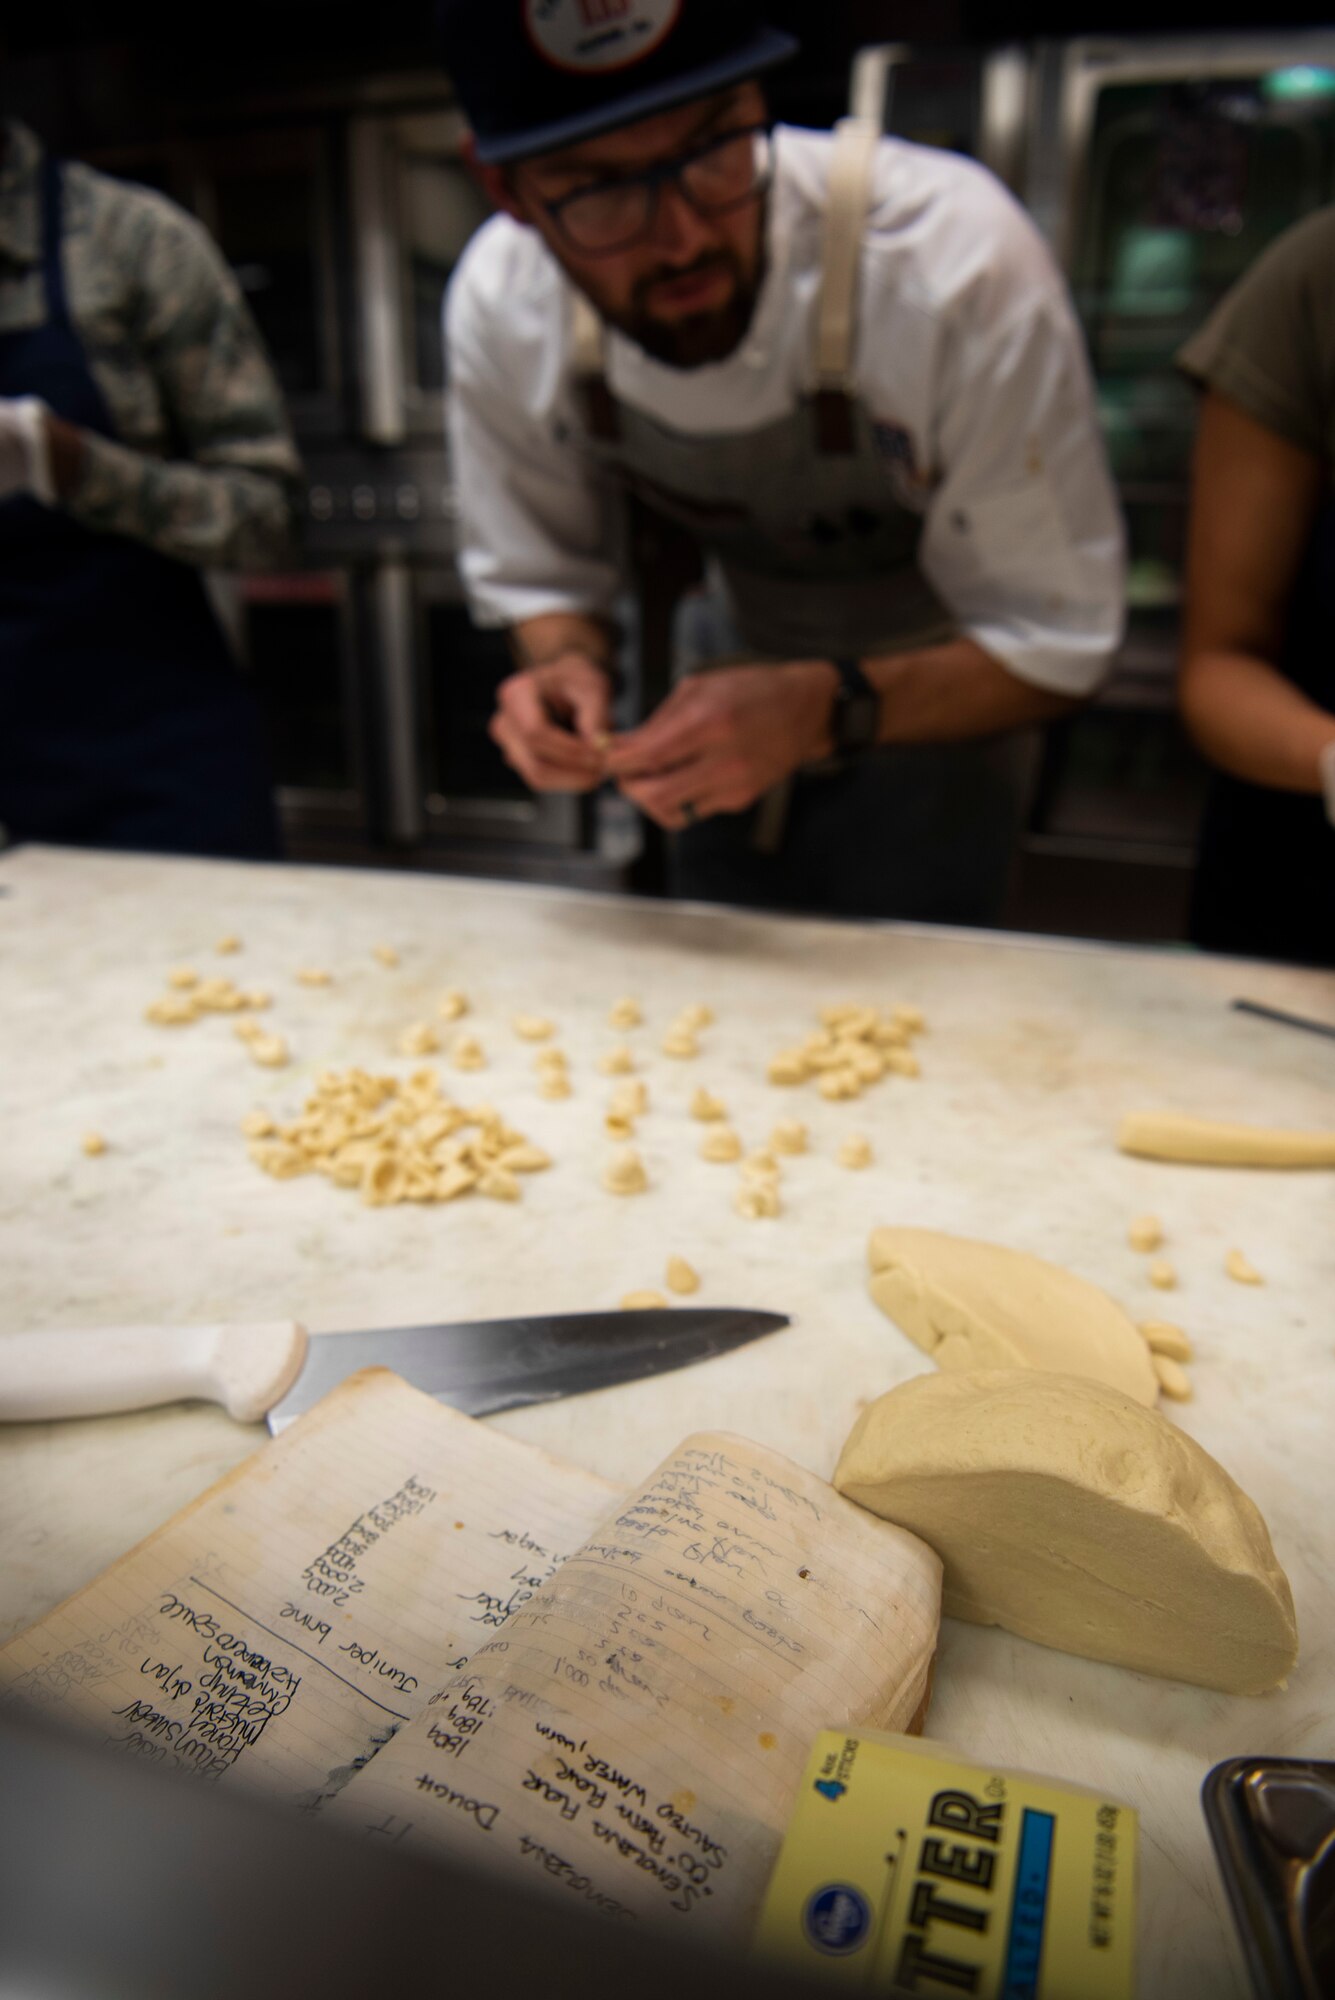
{"points": [[276, 1371]]}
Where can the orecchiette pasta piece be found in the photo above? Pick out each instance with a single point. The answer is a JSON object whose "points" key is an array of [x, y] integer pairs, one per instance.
{"points": [[624, 1173], [681, 1276], [755, 1199], [420, 1039], [314, 975], [855, 1151], [452, 1004], [533, 1027], [706, 1106], [788, 1136], [625, 1014], [183, 977], [385, 953], [617, 1062], [642, 1301], [93, 1144], [721, 1144]]}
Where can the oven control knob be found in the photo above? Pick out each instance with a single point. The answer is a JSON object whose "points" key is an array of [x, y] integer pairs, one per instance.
{"points": [[408, 502], [363, 502], [321, 502]]}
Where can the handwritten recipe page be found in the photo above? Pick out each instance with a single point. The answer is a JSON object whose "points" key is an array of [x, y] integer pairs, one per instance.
{"points": [[280, 1629], [634, 1736]]}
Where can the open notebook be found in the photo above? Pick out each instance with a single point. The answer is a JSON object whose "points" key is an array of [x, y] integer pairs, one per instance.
{"points": [[433, 1633]]}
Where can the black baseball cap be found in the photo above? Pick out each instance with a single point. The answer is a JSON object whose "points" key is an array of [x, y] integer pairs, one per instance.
{"points": [[536, 75]]}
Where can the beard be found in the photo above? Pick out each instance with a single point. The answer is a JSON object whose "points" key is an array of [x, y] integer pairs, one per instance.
{"points": [[695, 339]]}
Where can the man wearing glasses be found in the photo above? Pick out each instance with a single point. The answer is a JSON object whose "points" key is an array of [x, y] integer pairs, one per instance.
{"points": [[849, 368]]}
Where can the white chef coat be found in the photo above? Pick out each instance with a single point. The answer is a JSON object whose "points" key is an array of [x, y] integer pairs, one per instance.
{"points": [[967, 358]]}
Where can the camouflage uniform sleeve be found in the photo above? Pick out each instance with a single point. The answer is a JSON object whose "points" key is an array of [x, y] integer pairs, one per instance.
{"points": [[227, 496]]}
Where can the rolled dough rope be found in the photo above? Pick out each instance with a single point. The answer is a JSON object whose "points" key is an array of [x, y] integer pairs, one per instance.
{"points": [[1207, 1142]]}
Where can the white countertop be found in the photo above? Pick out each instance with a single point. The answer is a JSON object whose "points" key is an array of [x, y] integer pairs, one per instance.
{"points": [[1033, 1051]]}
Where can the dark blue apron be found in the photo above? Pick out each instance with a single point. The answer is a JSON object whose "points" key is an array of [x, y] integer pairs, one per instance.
{"points": [[1265, 873], [123, 721]]}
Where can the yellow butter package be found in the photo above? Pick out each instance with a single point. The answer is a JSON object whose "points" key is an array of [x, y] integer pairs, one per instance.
{"points": [[907, 1870]]}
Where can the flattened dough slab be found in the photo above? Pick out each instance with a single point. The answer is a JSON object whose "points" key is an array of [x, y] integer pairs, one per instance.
{"points": [[1208, 1142], [1070, 1515], [978, 1305]]}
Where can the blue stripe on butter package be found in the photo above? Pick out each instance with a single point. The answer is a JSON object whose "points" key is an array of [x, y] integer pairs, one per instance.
{"points": [[908, 1871]]}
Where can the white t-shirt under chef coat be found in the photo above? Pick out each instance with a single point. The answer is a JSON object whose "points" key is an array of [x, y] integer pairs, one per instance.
{"points": [[967, 358]]}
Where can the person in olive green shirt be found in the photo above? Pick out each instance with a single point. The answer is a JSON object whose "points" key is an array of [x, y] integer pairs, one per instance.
{"points": [[1257, 686]]}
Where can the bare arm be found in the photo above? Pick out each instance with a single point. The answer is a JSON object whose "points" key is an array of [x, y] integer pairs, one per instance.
{"points": [[1254, 497], [722, 738]]}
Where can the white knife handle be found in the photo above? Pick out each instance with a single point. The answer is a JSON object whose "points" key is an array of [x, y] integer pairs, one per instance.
{"points": [[85, 1374]]}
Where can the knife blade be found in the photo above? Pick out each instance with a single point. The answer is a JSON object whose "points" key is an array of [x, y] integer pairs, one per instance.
{"points": [[276, 1371]]}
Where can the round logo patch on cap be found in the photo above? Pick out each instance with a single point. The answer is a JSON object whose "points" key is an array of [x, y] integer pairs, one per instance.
{"points": [[593, 36]]}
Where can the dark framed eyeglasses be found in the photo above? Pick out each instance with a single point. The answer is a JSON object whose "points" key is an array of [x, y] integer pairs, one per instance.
{"points": [[724, 172]]}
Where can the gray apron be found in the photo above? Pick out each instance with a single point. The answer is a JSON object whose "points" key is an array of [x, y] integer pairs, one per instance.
{"points": [[812, 556]]}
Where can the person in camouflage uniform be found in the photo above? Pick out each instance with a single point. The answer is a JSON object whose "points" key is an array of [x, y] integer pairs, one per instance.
{"points": [[142, 439]]}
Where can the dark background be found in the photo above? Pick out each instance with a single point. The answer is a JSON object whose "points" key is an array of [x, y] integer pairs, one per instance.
{"points": [[84, 70]]}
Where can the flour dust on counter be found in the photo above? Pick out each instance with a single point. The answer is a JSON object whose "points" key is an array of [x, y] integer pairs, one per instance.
{"points": [[279, 1629], [632, 1737]]}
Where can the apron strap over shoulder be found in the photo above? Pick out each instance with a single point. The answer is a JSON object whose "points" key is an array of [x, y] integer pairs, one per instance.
{"points": [[855, 141], [597, 403]]}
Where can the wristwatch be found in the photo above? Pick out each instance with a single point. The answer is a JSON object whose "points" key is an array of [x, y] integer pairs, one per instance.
{"points": [[856, 716]]}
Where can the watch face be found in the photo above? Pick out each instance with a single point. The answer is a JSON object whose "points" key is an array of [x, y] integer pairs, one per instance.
{"points": [[859, 716]]}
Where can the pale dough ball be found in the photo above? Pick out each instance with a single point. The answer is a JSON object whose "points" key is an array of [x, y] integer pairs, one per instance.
{"points": [[617, 1062], [385, 953], [707, 1107], [270, 1051], [681, 1277], [227, 944], [619, 1126], [761, 1166], [788, 1136], [1068, 1513], [256, 997], [452, 1004], [681, 1043], [695, 1017], [1241, 1269], [624, 1173], [553, 1083], [840, 1084], [755, 1199], [500, 1185], [1145, 1233], [247, 1029], [466, 1052], [642, 1301], [1162, 1275], [625, 1013], [855, 1151], [789, 1066], [911, 1018], [93, 1144], [722, 1144], [533, 1027], [257, 1125], [314, 975], [183, 977]]}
